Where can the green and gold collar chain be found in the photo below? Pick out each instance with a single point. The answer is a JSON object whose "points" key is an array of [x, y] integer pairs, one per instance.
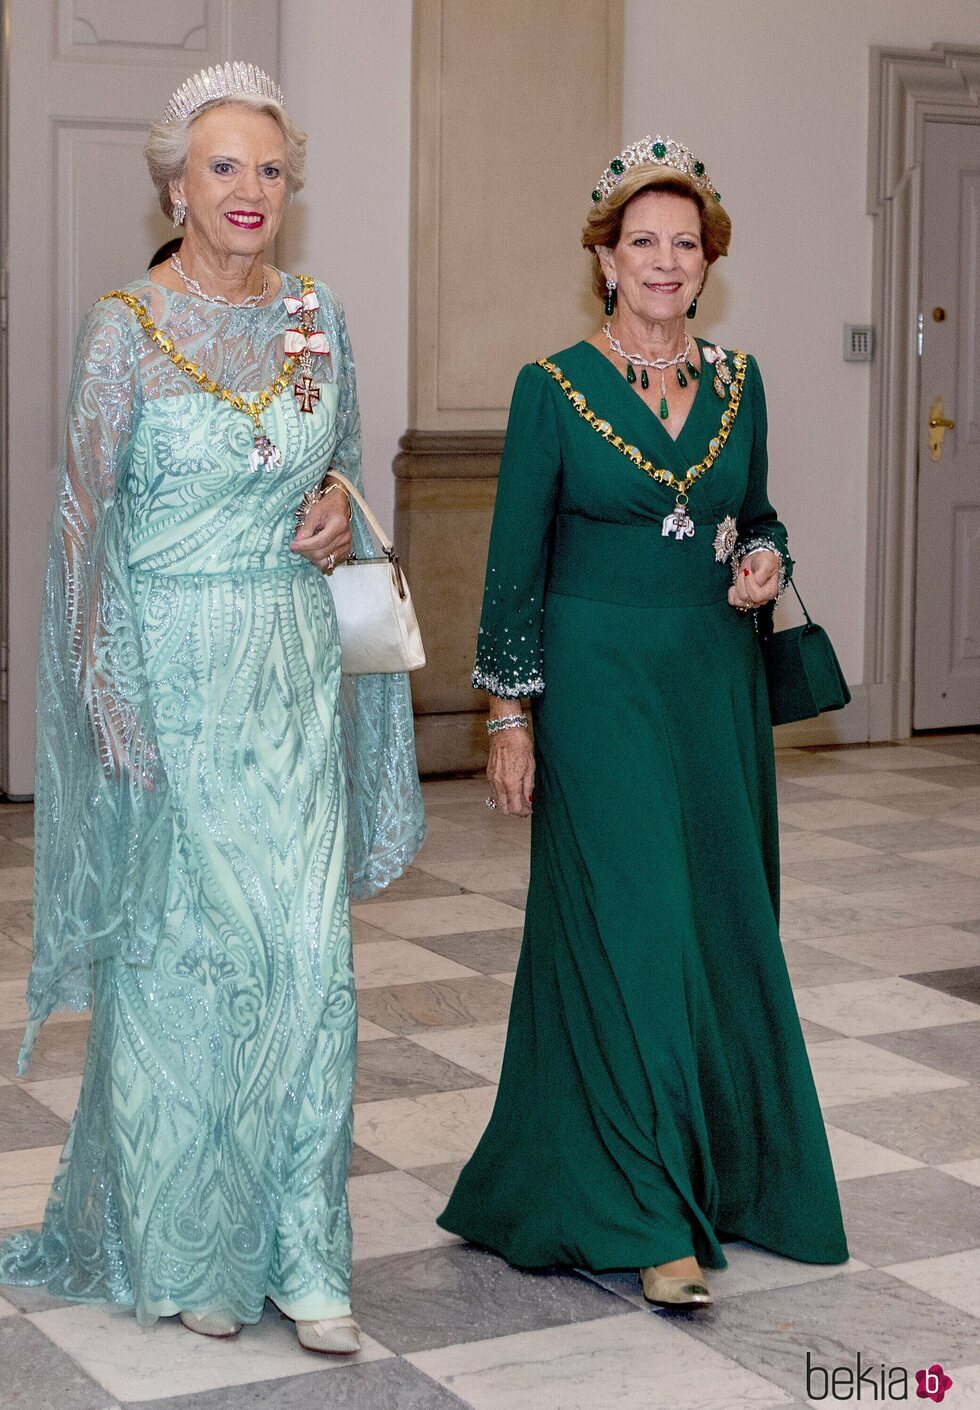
{"points": [[263, 453], [679, 523]]}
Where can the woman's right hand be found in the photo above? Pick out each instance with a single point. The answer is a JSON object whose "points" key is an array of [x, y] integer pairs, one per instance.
{"points": [[510, 771]]}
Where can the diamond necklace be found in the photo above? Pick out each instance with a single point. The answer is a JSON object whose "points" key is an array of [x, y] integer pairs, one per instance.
{"points": [[193, 287], [659, 364]]}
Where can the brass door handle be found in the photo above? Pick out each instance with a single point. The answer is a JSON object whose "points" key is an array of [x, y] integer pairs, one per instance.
{"points": [[938, 426]]}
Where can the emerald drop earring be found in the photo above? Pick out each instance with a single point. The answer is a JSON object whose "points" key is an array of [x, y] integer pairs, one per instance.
{"points": [[610, 297], [692, 311]]}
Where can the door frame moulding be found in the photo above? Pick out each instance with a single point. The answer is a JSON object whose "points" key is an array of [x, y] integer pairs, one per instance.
{"points": [[908, 88]]}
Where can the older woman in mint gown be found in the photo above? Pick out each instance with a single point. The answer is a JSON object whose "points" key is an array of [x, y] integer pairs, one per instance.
{"points": [[210, 790], [655, 1098]]}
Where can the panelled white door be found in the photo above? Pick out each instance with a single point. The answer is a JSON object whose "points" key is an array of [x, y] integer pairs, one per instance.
{"points": [[947, 579], [86, 78]]}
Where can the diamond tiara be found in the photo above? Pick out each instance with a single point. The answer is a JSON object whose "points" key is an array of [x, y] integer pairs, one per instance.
{"points": [[224, 81], [654, 151]]}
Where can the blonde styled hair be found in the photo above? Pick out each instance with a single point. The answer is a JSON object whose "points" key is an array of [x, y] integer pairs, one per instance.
{"points": [[167, 146], [605, 223]]}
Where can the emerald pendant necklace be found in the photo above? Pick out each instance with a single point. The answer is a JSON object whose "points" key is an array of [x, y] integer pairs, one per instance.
{"points": [[659, 364]]}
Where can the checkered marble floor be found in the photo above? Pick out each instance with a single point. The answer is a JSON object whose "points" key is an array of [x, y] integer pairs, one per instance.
{"points": [[881, 864]]}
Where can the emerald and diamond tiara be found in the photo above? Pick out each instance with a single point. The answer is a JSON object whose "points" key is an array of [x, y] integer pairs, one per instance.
{"points": [[654, 151], [225, 81]]}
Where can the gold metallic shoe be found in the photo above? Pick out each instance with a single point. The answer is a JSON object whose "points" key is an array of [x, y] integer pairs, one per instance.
{"points": [[339, 1336], [671, 1291], [211, 1324]]}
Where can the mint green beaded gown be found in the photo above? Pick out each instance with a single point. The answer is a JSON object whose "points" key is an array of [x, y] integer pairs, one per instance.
{"points": [[200, 893], [655, 1097]]}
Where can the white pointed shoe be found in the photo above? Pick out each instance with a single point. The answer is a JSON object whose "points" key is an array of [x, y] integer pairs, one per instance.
{"points": [[671, 1291], [211, 1324], [339, 1336]]}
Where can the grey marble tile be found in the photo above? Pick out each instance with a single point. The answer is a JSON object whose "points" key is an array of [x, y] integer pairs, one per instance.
{"points": [[444, 1296], [37, 1376], [446, 1003], [916, 836], [954, 1048], [364, 1162], [441, 1177], [814, 916], [397, 1067], [415, 885], [30, 1300], [15, 959], [807, 965], [489, 951], [377, 1385], [935, 1127], [16, 820], [871, 1313], [511, 896], [972, 926], [816, 1032], [12, 854], [17, 921], [59, 1052], [966, 775], [26, 1124], [963, 983], [908, 1214]]}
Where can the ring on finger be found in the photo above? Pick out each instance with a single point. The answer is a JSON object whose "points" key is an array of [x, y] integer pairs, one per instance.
{"points": [[490, 802], [330, 563]]}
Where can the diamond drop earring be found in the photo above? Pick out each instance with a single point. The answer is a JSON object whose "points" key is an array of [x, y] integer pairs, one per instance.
{"points": [[180, 211], [610, 297]]}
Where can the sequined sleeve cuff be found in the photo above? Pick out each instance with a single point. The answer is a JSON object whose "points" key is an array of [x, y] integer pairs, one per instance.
{"points": [[509, 685], [742, 550]]}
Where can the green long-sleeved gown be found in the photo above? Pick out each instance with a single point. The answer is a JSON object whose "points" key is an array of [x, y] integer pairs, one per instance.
{"points": [[655, 1096]]}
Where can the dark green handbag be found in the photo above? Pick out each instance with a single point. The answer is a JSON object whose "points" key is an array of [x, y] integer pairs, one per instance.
{"points": [[803, 674]]}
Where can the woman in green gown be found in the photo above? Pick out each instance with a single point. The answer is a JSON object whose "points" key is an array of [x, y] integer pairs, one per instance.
{"points": [[655, 1097], [210, 790]]}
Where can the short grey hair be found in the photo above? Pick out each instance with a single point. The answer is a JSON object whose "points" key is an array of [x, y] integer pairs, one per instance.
{"points": [[167, 146]]}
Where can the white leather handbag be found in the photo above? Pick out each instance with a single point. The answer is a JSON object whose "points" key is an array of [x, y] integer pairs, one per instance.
{"points": [[379, 632]]}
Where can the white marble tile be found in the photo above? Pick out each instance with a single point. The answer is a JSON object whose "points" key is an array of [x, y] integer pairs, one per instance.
{"points": [[871, 784], [25, 1182], [507, 978], [903, 756], [16, 883], [959, 900], [839, 812], [639, 1360], [965, 860], [394, 1213], [138, 1364], [13, 1006], [968, 1170], [398, 962], [368, 1032], [440, 915], [58, 1094], [953, 1278], [429, 1130], [904, 949], [841, 915], [480, 874], [479, 1049], [856, 1156], [847, 1070], [6, 1310], [881, 1006], [792, 888], [966, 1382], [818, 847]]}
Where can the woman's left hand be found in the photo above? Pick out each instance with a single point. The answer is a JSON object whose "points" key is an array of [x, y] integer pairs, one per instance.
{"points": [[757, 581], [324, 536]]}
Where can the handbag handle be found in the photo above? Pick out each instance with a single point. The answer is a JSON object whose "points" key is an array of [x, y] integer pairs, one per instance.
{"points": [[764, 615], [366, 510], [386, 544]]}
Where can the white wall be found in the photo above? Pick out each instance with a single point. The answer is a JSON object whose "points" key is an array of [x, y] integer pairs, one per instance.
{"points": [[774, 97], [346, 72]]}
